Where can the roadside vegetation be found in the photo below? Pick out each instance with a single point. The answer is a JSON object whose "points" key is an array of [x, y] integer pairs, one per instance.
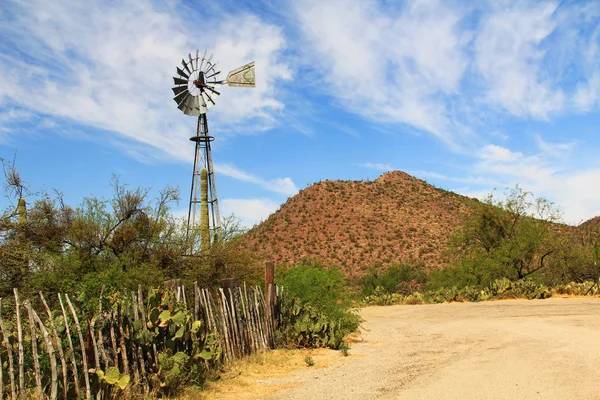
{"points": [[509, 248]]}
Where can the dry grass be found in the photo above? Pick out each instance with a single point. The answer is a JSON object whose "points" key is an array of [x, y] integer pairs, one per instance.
{"points": [[262, 374]]}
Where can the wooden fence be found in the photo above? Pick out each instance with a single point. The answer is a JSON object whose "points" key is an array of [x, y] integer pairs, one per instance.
{"points": [[61, 351]]}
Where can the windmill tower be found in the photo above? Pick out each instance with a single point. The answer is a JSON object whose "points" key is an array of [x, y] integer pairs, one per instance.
{"points": [[195, 92]]}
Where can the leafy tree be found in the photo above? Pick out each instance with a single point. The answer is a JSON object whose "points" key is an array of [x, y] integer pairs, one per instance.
{"points": [[513, 237]]}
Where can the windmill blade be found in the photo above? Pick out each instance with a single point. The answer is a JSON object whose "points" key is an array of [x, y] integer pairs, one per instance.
{"points": [[183, 107], [215, 94], [179, 81], [209, 102], [242, 76], [202, 62], [215, 84], [185, 66], [213, 74], [192, 102], [202, 101], [181, 73], [211, 68], [191, 113], [178, 89], [181, 97], [196, 59], [191, 60], [209, 58]]}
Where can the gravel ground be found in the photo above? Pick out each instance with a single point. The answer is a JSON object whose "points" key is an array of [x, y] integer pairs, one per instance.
{"points": [[517, 349]]}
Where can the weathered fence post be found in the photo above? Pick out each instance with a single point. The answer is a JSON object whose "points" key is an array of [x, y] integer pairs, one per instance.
{"points": [[270, 292], [21, 350]]}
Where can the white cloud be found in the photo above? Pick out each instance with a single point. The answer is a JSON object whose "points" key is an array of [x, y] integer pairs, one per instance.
{"points": [[109, 65], [389, 66], [509, 58], [249, 211], [546, 171], [378, 166], [495, 153], [450, 68], [547, 174], [279, 185]]}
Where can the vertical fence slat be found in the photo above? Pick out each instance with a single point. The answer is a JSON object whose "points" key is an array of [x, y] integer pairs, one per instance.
{"points": [[250, 318], [247, 325], [259, 322], [61, 354], [209, 313], [70, 341], [100, 341], [86, 375], [11, 371], [122, 341], [51, 355], [131, 344], [21, 350], [234, 301], [229, 324], [196, 302], [138, 347], [34, 353], [113, 340]]}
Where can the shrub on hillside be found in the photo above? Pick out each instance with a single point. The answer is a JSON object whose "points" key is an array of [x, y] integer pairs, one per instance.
{"points": [[400, 278]]}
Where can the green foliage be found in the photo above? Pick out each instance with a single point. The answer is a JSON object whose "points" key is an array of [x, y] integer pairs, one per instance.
{"points": [[309, 361], [313, 307], [115, 243], [502, 288], [345, 350], [404, 278], [314, 284], [113, 377], [512, 238]]}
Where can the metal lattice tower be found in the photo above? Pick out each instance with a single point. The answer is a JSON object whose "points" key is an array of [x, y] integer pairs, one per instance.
{"points": [[195, 92], [203, 159]]}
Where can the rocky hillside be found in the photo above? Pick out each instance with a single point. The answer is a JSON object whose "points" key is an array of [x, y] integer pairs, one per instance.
{"points": [[357, 224]]}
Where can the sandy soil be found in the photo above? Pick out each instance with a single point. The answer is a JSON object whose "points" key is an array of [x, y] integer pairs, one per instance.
{"points": [[538, 349]]}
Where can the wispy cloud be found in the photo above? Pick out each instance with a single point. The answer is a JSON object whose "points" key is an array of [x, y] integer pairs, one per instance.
{"points": [[509, 55], [249, 211], [546, 171], [390, 68], [279, 185], [449, 68], [378, 166], [109, 66]]}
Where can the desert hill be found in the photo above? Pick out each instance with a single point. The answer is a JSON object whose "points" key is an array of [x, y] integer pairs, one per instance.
{"points": [[592, 223], [357, 224]]}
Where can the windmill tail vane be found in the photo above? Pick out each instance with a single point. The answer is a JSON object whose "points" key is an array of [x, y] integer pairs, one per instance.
{"points": [[195, 92]]}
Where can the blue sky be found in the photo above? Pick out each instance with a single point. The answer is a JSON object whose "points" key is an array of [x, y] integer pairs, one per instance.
{"points": [[469, 96]]}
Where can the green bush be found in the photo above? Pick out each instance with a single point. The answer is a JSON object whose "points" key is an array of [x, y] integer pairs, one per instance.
{"points": [[401, 278], [314, 308], [321, 287]]}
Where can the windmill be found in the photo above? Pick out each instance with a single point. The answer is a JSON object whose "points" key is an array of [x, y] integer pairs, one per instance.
{"points": [[195, 92]]}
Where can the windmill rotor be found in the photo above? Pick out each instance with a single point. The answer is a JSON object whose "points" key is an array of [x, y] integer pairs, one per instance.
{"points": [[195, 84], [198, 78]]}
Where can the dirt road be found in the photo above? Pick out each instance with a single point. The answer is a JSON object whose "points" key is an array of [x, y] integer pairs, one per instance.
{"points": [[537, 349]]}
